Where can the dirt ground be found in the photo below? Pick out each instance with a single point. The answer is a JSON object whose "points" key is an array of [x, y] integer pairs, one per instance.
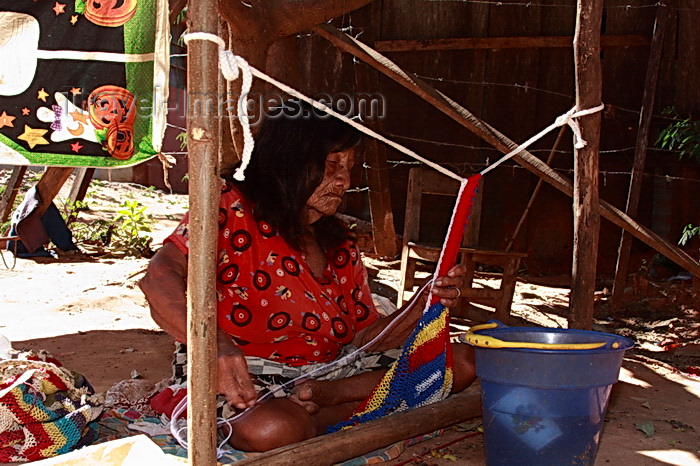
{"points": [[90, 314]]}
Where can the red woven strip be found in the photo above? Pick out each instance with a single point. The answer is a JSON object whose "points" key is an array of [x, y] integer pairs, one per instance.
{"points": [[460, 218]]}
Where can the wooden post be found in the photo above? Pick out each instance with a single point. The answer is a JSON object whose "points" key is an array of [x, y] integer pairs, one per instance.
{"points": [[8, 197], [383, 231], [378, 170], [657, 44], [589, 84], [203, 135], [81, 184]]}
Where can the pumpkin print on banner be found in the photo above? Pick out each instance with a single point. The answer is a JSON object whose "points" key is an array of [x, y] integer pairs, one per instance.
{"points": [[82, 83]]}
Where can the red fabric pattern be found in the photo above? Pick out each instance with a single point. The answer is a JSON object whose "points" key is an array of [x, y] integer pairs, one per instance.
{"points": [[268, 299]]}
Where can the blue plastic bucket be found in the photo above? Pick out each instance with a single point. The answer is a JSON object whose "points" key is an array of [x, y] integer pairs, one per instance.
{"points": [[545, 391]]}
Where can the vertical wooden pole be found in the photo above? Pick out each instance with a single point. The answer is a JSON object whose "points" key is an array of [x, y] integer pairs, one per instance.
{"points": [[203, 135], [8, 197], [586, 202], [380, 200], [81, 183], [657, 44]]}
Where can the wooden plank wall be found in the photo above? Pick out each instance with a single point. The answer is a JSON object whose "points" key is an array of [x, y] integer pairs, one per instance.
{"points": [[519, 91]]}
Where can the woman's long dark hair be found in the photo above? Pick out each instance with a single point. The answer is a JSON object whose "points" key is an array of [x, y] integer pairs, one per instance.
{"points": [[287, 165]]}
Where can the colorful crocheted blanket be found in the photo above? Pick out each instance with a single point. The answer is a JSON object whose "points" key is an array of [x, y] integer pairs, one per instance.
{"points": [[423, 373], [45, 410]]}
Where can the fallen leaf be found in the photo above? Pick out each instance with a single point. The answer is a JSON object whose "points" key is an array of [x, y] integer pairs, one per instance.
{"points": [[469, 425], [646, 426], [646, 405]]}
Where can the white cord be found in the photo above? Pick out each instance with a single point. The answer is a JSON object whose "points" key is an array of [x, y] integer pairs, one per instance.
{"points": [[566, 119]]}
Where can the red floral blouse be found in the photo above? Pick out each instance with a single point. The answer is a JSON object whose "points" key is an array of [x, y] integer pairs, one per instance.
{"points": [[269, 301]]}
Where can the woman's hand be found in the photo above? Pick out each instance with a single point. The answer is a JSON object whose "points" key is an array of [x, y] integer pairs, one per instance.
{"points": [[447, 288], [233, 379]]}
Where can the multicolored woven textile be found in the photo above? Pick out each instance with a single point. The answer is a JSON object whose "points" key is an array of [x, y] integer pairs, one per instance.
{"points": [[82, 83], [423, 373], [45, 410]]}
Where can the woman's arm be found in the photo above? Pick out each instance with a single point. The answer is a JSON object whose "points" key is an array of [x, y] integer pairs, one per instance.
{"points": [[165, 287], [446, 288]]}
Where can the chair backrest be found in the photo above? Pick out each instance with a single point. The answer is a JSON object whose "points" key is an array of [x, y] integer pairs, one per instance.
{"points": [[424, 186]]}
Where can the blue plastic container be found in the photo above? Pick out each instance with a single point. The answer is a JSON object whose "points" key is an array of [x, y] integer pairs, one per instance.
{"points": [[544, 404]]}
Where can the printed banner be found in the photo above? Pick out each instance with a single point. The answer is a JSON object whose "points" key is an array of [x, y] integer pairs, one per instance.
{"points": [[82, 84]]}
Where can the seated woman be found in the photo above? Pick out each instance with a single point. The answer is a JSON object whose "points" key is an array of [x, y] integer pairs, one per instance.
{"points": [[292, 293]]}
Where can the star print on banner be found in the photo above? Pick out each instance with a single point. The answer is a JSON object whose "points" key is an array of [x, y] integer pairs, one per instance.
{"points": [[75, 90], [42, 95], [33, 136], [75, 147], [6, 120], [74, 19], [79, 116], [26, 111], [59, 8]]}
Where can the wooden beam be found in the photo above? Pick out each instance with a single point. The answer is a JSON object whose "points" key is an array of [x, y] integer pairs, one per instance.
{"points": [[50, 184], [589, 91], [663, 16], [501, 43], [499, 141], [361, 439], [7, 200], [203, 142], [81, 184]]}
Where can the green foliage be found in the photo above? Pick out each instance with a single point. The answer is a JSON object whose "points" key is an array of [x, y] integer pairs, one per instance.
{"points": [[126, 234], [682, 136], [132, 225], [688, 232]]}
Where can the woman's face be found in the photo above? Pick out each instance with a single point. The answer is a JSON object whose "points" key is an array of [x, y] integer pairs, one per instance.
{"points": [[326, 199]]}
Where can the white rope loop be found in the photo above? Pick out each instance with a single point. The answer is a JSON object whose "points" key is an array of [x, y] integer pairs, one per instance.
{"points": [[231, 67]]}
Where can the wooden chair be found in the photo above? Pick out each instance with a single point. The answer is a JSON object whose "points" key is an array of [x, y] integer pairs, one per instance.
{"points": [[427, 189]]}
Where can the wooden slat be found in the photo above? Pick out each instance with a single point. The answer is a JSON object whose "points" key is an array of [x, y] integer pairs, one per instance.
{"points": [[354, 442], [8, 197], [81, 184], [502, 43], [663, 16]]}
